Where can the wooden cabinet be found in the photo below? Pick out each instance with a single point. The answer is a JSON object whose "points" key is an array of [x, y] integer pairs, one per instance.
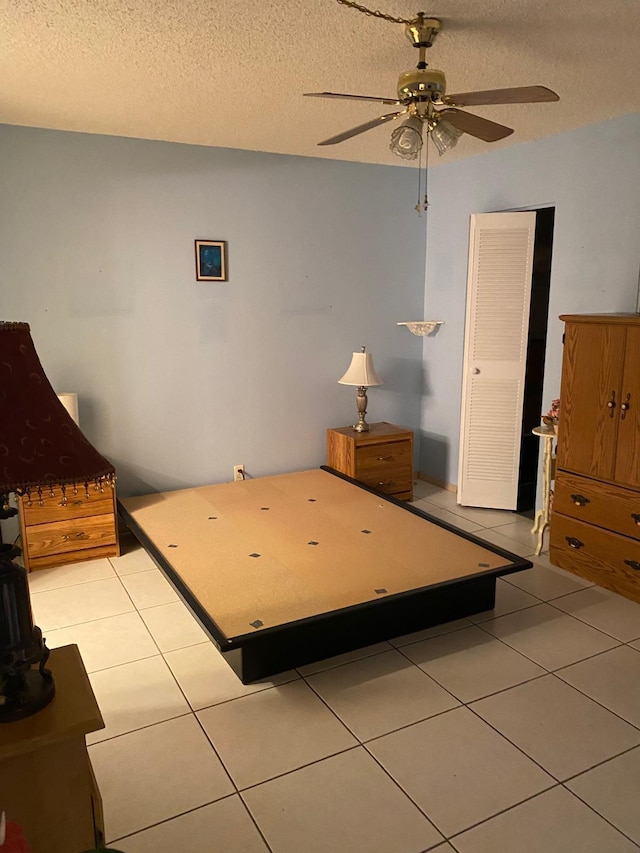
{"points": [[595, 524], [62, 528], [381, 458], [47, 784]]}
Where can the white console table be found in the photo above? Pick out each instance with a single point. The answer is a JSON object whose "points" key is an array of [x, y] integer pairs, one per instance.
{"points": [[541, 521]]}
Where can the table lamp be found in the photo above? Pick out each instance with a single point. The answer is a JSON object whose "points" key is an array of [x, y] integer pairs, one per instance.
{"points": [[362, 374], [40, 448]]}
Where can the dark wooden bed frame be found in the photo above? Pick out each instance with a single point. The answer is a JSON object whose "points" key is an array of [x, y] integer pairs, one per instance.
{"points": [[277, 648]]}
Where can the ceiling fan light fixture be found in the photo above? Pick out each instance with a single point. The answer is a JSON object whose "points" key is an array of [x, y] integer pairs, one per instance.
{"points": [[406, 140], [445, 136]]}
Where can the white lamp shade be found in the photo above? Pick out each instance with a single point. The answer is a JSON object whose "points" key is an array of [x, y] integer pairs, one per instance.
{"points": [[361, 371], [70, 401]]}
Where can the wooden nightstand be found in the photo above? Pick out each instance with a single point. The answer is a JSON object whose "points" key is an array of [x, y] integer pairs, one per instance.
{"points": [[381, 458], [55, 533]]}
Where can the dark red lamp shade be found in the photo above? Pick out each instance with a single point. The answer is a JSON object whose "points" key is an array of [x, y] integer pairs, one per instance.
{"points": [[40, 444]]}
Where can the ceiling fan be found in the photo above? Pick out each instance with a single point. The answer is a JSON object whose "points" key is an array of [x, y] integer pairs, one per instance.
{"points": [[421, 90]]}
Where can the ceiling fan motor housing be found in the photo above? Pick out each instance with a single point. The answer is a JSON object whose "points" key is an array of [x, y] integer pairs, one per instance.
{"points": [[421, 85]]}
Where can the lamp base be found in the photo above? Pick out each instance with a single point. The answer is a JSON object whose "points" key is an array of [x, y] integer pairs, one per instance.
{"points": [[24, 694], [361, 402]]}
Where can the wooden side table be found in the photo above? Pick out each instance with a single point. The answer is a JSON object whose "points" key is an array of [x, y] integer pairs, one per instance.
{"points": [[68, 528], [47, 784], [381, 458], [541, 521]]}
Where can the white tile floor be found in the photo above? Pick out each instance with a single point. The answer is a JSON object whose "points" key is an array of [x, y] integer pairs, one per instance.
{"points": [[516, 730]]}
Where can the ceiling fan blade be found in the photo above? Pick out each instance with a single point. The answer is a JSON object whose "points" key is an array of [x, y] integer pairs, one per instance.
{"points": [[518, 95], [362, 127], [482, 128], [351, 97]]}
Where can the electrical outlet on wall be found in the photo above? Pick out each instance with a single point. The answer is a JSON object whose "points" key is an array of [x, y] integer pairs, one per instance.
{"points": [[238, 472]]}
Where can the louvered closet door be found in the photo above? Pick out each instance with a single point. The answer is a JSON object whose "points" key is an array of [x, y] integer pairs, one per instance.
{"points": [[496, 332]]}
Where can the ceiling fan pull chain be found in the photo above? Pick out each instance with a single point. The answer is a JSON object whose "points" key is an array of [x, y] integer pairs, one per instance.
{"points": [[375, 13], [418, 207], [425, 203]]}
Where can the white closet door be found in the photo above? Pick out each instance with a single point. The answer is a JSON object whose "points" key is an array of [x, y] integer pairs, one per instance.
{"points": [[495, 353]]}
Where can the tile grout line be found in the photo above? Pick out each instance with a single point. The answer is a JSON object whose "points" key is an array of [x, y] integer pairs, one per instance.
{"points": [[559, 669], [530, 607], [114, 576], [604, 707], [583, 622], [191, 811], [139, 728], [600, 815]]}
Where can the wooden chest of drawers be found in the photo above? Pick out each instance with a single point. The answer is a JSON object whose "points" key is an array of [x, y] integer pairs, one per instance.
{"points": [[55, 532], [595, 523], [381, 458]]}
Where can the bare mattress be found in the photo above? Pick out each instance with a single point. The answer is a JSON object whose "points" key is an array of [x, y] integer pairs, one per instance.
{"points": [[288, 569]]}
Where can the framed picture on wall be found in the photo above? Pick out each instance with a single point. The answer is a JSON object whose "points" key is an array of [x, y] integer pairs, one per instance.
{"points": [[211, 260]]}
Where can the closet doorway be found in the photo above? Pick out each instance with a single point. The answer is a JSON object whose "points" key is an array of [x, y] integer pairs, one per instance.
{"points": [[504, 354]]}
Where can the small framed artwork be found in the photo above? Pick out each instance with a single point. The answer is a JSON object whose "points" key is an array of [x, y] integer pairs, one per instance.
{"points": [[211, 260]]}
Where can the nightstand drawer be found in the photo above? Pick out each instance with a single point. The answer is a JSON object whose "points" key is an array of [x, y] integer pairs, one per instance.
{"points": [[386, 467], [595, 502], [391, 485], [61, 537], [606, 558], [77, 506], [383, 458]]}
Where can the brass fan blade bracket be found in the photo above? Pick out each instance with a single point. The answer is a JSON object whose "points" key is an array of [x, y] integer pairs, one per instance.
{"points": [[361, 128]]}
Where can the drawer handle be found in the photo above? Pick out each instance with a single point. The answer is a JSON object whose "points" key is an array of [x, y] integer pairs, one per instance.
{"points": [[636, 517], [633, 563], [388, 483], [612, 403], [80, 535], [580, 500], [384, 458], [625, 407], [574, 543]]}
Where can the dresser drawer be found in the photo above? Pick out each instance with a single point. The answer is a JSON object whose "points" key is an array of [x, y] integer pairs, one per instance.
{"points": [[61, 537], [606, 558], [77, 506], [594, 502], [387, 467]]}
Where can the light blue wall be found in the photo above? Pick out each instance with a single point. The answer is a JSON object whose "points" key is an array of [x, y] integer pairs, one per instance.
{"points": [[179, 380], [592, 177]]}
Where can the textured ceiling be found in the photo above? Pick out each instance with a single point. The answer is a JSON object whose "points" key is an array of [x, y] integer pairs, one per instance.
{"points": [[231, 73]]}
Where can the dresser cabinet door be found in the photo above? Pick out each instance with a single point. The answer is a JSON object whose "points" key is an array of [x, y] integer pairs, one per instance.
{"points": [[628, 452], [590, 399]]}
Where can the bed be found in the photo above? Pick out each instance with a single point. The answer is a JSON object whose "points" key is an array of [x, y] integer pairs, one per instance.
{"points": [[293, 568]]}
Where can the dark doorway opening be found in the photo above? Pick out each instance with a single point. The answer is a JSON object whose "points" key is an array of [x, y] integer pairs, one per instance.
{"points": [[534, 405]]}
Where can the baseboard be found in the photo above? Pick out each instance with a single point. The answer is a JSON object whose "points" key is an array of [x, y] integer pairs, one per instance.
{"points": [[450, 487]]}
